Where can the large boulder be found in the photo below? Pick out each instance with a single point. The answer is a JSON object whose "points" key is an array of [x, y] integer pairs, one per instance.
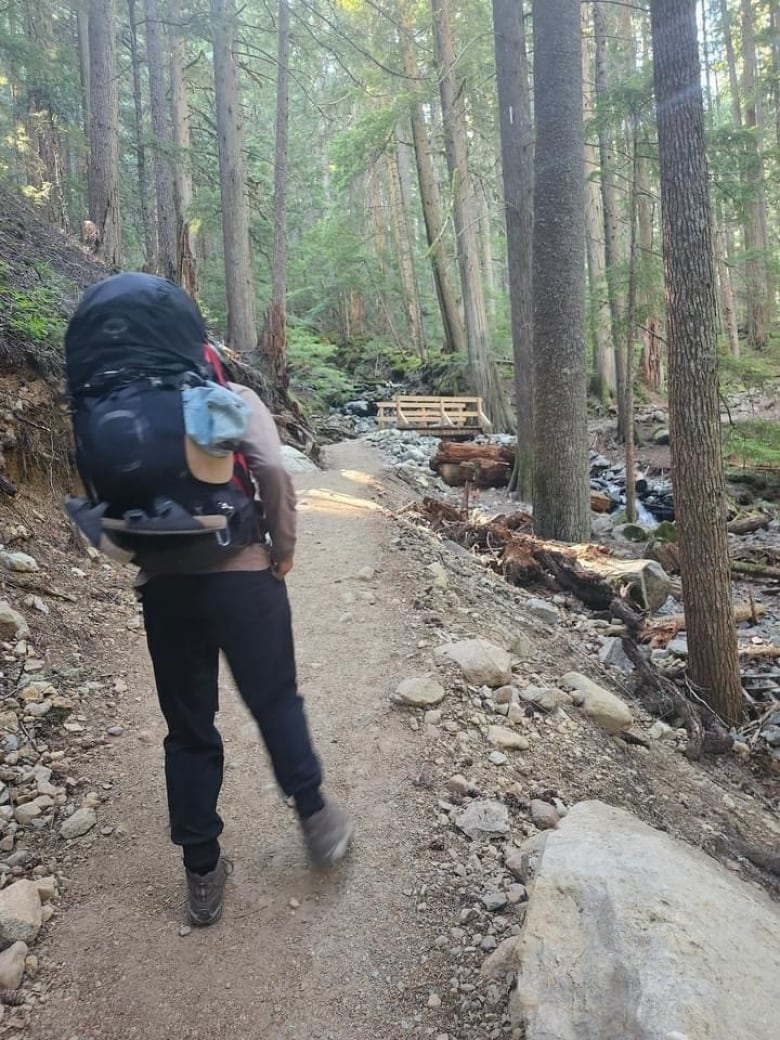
{"points": [[630, 933], [649, 583], [295, 461], [482, 663], [604, 707]]}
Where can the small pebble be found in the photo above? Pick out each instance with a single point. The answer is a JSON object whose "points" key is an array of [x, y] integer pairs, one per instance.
{"points": [[434, 1000], [294, 904], [184, 930]]}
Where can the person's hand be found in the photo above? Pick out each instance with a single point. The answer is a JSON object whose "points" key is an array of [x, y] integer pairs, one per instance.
{"points": [[281, 568]]}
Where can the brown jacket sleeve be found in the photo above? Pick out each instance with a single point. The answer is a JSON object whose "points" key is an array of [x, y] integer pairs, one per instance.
{"points": [[262, 448]]}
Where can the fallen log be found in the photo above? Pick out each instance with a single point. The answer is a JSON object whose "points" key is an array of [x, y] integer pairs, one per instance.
{"points": [[754, 570], [749, 524], [484, 465], [659, 631], [764, 652]]}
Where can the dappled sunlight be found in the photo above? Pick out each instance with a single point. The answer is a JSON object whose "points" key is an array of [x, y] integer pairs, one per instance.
{"points": [[358, 477], [335, 503]]}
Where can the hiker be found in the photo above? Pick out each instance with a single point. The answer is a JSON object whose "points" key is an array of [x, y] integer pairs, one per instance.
{"points": [[184, 478]]}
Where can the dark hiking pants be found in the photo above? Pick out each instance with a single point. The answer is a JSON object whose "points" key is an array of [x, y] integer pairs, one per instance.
{"points": [[189, 620]]}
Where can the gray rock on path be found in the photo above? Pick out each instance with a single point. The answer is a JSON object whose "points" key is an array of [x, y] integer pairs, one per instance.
{"points": [[482, 663], [507, 739], [295, 461], [654, 939], [549, 698], [13, 625], [544, 815], [542, 610], [605, 708], [502, 961], [20, 912], [18, 561], [483, 818], [419, 692], [80, 823], [12, 965]]}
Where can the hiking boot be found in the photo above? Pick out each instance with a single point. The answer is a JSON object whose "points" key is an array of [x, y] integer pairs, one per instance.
{"points": [[327, 834], [206, 893]]}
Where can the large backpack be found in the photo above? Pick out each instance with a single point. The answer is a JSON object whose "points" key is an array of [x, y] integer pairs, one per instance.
{"points": [[135, 352]]}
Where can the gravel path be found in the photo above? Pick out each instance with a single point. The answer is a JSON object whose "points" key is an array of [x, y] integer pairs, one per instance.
{"points": [[297, 957]]}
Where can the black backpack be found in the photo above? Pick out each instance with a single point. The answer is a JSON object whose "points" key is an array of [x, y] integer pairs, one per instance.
{"points": [[133, 346]]}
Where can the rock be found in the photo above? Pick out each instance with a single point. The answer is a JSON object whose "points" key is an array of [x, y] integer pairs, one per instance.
{"points": [[419, 692], [503, 961], [439, 575], [434, 1001], [506, 695], [18, 561], [458, 785], [771, 735], [47, 888], [498, 758], [12, 623], [612, 653], [515, 863], [542, 610], [24, 814], [295, 461], [662, 731], [661, 436], [12, 965], [650, 584], [508, 739], [522, 646], [483, 818], [80, 823], [481, 662], [678, 647], [493, 900], [544, 815], [548, 698], [20, 913], [653, 939], [632, 532], [605, 708]]}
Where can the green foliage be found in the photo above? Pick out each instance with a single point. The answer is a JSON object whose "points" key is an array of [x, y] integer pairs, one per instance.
{"points": [[754, 443], [752, 371], [315, 374], [33, 314]]}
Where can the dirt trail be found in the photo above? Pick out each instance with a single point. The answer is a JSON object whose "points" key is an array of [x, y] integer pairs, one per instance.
{"points": [[331, 968]]}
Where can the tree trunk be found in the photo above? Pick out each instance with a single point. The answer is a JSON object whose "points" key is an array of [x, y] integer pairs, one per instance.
{"points": [[147, 225], [105, 227], [697, 464], [46, 154], [82, 27], [182, 167], [239, 282], [517, 161], [631, 304], [273, 341], [167, 257], [728, 310], [452, 322], [609, 204], [482, 365], [756, 225], [561, 493], [404, 254], [604, 383]]}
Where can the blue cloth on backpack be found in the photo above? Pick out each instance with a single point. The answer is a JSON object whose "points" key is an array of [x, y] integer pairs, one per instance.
{"points": [[215, 418]]}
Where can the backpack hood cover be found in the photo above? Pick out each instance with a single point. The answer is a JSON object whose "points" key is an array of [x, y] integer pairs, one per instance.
{"points": [[130, 326]]}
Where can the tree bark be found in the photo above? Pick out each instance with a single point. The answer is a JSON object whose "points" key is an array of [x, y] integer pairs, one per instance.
{"points": [[239, 282], [182, 166], [46, 156], [147, 224], [756, 224], [697, 464], [482, 365], [404, 253], [273, 341], [631, 305], [609, 204], [103, 173], [561, 498], [452, 321], [517, 161], [162, 147], [604, 384]]}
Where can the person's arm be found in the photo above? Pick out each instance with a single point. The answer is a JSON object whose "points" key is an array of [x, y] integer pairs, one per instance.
{"points": [[262, 449]]}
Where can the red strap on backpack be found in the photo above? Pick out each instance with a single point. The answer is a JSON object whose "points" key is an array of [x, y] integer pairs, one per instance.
{"points": [[241, 477]]}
